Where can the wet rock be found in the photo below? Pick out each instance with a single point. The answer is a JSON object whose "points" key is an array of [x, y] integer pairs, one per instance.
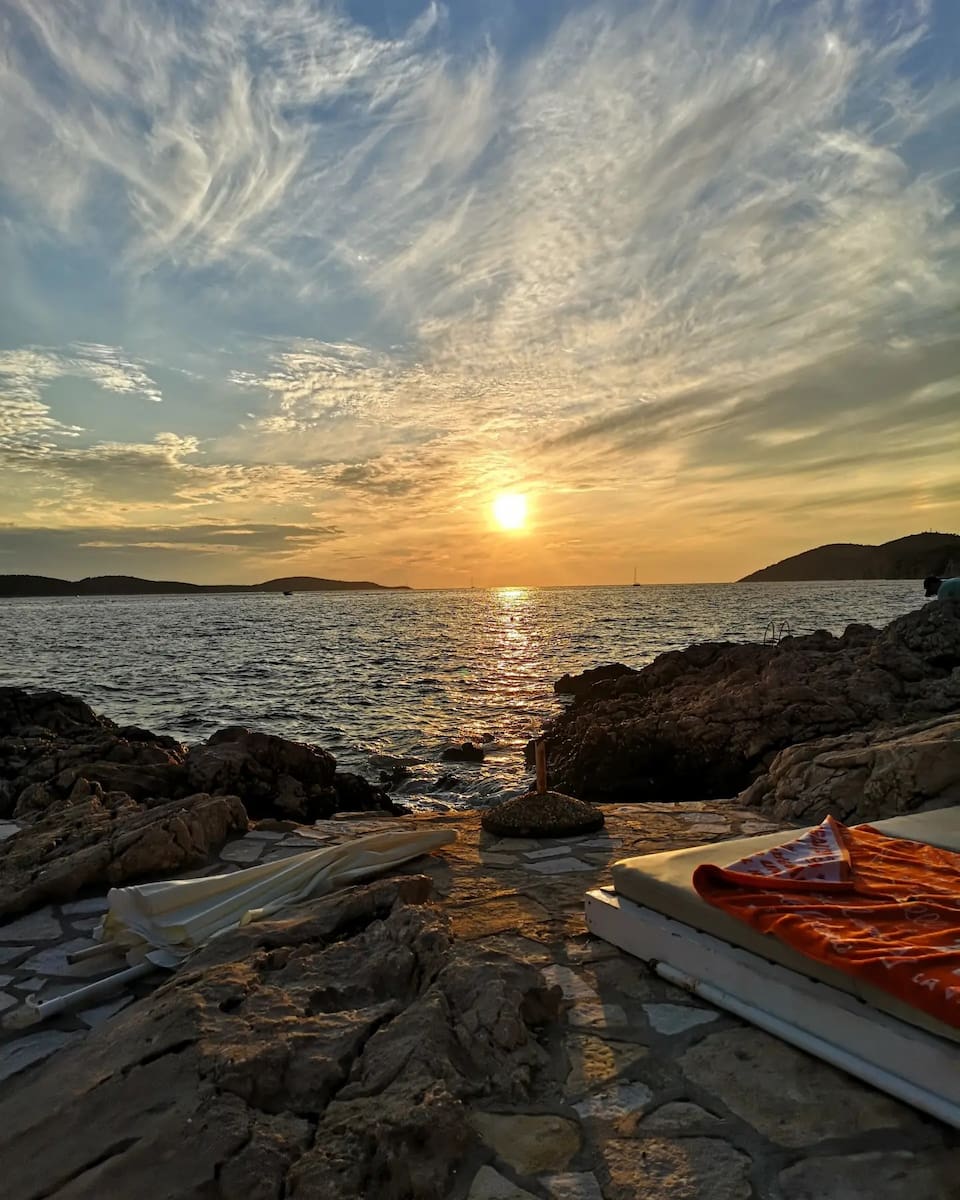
{"points": [[465, 752], [582, 684], [52, 744], [276, 777], [333, 1053], [865, 775], [105, 839], [356, 794], [707, 721]]}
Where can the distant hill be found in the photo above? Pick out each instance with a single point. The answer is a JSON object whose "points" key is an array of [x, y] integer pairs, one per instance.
{"points": [[129, 585], [911, 557]]}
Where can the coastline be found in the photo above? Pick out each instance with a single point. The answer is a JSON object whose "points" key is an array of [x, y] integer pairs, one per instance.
{"points": [[452, 1026]]}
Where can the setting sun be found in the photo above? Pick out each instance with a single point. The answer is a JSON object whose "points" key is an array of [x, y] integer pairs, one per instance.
{"points": [[510, 511]]}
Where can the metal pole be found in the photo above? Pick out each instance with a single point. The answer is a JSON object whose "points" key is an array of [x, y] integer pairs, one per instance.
{"points": [[541, 754]]}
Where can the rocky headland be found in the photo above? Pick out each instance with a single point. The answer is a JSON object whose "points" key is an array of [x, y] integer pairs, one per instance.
{"points": [[865, 725], [911, 557]]}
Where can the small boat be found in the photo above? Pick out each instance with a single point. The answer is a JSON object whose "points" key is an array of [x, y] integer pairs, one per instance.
{"points": [[288, 593]]}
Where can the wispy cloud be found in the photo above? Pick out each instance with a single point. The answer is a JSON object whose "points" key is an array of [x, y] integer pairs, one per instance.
{"points": [[662, 251]]}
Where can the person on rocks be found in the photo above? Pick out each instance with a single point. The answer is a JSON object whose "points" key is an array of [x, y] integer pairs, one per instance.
{"points": [[942, 589]]}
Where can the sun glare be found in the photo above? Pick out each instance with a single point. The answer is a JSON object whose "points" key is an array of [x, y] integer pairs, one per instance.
{"points": [[510, 511]]}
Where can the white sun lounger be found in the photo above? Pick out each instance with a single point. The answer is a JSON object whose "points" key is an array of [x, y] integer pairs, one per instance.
{"points": [[654, 913]]}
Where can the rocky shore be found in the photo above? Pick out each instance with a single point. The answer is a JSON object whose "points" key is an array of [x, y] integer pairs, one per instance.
{"points": [[866, 725], [97, 804], [452, 1032]]}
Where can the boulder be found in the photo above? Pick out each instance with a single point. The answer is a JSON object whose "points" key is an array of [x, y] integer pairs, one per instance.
{"points": [[705, 722], [465, 752], [332, 1053], [103, 839], [49, 741], [276, 777], [863, 776], [583, 684]]}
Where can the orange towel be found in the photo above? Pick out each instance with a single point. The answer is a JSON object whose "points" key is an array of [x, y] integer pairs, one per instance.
{"points": [[883, 909]]}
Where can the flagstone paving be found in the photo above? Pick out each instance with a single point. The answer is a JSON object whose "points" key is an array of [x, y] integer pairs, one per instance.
{"points": [[652, 1093]]}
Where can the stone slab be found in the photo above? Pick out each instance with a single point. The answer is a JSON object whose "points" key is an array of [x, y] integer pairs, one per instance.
{"points": [[691, 1169], [489, 1184], [589, 1015], [39, 926], [580, 1186], [595, 1061], [620, 1100], [573, 986], [103, 1012], [244, 852], [559, 866], [82, 908], [499, 914], [53, 961], [678, 1117], [530, 1144], [671, 1019], [789, 1097], [877, 1175]]}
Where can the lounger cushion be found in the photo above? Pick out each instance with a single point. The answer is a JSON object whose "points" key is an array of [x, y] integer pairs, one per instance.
{"points": [[662, 882]]}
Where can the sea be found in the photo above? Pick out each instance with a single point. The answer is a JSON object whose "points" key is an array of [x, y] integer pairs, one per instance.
{"points": [[390, 677]]}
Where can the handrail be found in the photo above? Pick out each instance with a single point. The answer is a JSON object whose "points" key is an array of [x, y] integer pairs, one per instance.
{"points": [[774, 634]]}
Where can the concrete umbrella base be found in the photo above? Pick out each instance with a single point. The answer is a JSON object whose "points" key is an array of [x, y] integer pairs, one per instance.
{"points": [[542, 814]]}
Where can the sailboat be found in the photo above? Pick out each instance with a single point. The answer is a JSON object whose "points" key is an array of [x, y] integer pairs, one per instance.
{"points": [[635, 584]]}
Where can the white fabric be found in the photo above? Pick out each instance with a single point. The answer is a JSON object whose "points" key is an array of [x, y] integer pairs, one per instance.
{"points": [[164, 922]]}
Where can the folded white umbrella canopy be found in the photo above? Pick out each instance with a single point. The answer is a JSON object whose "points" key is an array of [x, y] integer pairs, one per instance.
{"points": [[164, 922], [160, 924]]}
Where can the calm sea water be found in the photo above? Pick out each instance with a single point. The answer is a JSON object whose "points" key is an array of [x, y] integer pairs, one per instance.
{"points": [[370, 675]]}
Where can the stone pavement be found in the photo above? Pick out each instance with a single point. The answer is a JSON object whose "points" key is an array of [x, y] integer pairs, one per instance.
{"points": [[651, 1093]]}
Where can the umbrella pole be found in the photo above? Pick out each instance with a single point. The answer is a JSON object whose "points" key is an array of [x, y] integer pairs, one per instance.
{"points": [[93, 952], [33, 1012]]}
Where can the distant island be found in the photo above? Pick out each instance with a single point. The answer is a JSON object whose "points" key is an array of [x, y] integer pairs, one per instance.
{"points": [[129, 585], [911, 557]]}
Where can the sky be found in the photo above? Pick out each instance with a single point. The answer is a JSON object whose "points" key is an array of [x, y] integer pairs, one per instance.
{"points": [[299, 287]]}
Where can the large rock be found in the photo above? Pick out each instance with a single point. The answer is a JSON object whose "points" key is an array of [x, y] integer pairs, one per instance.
{"points": [[864, 776], [706, 721], [583, 684], [276, 777], [330, 1054], [49, 741], [97, 838]]}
